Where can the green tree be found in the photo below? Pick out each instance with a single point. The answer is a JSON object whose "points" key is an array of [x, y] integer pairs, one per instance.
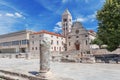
{"points": [[98, 42], [109, 24]]}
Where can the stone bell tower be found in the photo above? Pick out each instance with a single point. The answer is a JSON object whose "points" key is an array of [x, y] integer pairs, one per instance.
{"points": [[66, 22]]}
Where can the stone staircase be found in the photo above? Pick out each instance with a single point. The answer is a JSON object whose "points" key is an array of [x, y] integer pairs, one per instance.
{"points": [[7, 75]]}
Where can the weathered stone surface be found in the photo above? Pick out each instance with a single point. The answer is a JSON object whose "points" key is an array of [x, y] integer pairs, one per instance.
{"points": [[44, 56]]}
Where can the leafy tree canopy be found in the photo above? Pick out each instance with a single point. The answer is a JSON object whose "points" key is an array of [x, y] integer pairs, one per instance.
{"points": [[109, 24]]}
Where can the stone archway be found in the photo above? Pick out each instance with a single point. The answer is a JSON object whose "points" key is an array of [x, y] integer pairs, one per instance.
{"points": [[77, 45]]}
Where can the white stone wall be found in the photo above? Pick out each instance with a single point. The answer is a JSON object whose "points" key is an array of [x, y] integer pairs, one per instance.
{"points": [[54, 47], [104, 51]]}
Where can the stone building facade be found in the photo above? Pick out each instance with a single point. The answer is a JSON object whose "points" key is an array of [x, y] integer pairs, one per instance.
{"points": [[78, 39], [76, 35], [16, 42], [56, 42], [77, 44]]}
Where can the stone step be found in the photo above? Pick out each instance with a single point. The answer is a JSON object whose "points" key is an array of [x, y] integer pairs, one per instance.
{"points": [[18, 76], [10, 77]]}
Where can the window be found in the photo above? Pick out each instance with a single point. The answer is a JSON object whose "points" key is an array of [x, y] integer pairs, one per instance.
{"points": [[51, 36], [64, 20], [32, 42], [15, 42], [57, 43], [51, 42], [67, 56], [62, 43], [70, 20], [86, 35], [77, 36], [36, 48], [66, 25], [69, 37], [25, 41], [86, 42], [54, 48], [32, 36], [40, 35], [77, 31], [69, 43]]}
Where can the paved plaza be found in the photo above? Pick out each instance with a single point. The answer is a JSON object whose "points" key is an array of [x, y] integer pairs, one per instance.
{"points": [[72, 71]]}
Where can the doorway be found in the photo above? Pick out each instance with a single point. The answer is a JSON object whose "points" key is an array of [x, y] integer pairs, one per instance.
{"points": [[77, 45]]}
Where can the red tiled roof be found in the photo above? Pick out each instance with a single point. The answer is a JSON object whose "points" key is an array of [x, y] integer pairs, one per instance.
{"points": [[47, 32], [91, 31]]}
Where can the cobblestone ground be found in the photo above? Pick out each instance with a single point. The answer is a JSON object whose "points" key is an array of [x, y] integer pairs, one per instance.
{"points": [[75, 71]]}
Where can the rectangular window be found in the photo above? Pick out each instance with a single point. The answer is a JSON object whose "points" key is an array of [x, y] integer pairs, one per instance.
{"points": [[86, 42], [64, 20], [32, 36], [51, 42], [36, 48], [77, 36], [25, 41], [62, 43], [15, 42], [32, 42], [69, 43], [57, 43], [54, 48]]}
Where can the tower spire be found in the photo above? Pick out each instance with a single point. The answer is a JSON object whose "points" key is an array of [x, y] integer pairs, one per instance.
{"points": [[66, 12], [66, 22]]}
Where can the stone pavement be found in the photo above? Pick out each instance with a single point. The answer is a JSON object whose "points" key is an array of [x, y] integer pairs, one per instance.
{"points": [[64, 71]]}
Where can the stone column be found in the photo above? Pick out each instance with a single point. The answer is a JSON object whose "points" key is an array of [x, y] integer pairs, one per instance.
{"points": [[44, 59]]}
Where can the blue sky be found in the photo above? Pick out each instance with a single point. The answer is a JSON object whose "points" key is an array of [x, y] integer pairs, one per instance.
{"points": [[39, 15]]}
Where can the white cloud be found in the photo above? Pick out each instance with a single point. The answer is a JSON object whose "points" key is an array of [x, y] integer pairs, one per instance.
{"points": [[58, 27], [18, 15], [6, 24], [9, 20], [90, 18], [59, 24], [9, 14], [92, 15], [15, 15], [81, 19]]}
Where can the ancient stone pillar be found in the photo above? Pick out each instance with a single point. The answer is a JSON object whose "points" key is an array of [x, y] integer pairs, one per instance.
{"points": [[44, 58]]}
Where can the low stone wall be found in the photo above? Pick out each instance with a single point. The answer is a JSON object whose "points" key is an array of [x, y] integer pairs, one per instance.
{"points": [[104, 51], [13, 55]]}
